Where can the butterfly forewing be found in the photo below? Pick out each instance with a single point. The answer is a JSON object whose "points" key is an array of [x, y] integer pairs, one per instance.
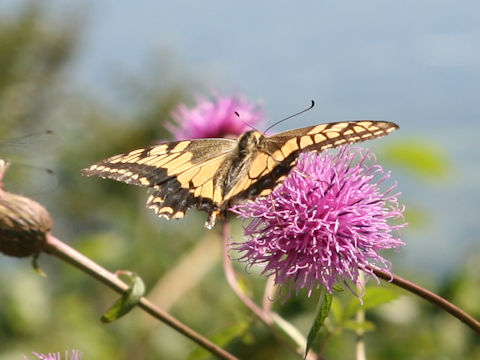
{"points": [[324, 136], [279, 153], [286, 146], [213, 174], [159, 163]]}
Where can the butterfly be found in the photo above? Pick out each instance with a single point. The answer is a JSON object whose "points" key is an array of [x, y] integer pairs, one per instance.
{"points": [[214, 174]]}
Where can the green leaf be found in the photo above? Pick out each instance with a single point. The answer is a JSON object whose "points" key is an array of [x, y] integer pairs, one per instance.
{"points": [[336, 311], [420, 157], [417, 217], [355, 325], [128, 300], [222, 338], [376, 296], [36, 267], [373, 297], [338, 288], [323, 309]]}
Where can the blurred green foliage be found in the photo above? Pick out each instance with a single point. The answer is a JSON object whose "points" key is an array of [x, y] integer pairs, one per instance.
{"points": [[31, 63], [179, 261], [421, 158]]}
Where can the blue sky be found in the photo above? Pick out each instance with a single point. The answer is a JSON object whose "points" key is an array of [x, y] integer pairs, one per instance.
{"points": [[416, 63]]}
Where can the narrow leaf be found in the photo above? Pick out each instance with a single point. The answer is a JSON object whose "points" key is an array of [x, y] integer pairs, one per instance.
{"points": [[338, 288], [36, 267], [127, 302], [323, 309]]}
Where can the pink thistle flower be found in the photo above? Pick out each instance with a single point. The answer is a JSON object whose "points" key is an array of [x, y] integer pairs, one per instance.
{"points": [[324, 224], [214, 119], [74, 355]]}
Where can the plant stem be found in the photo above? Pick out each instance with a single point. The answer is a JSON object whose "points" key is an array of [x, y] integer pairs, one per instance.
{"points": [[360, 318], [269, 295], [232, 279], [61, 250], [282, 329], [429, 296]]}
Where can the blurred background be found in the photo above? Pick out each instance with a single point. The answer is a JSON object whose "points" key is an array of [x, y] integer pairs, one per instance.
{"points": [[104, 77]]}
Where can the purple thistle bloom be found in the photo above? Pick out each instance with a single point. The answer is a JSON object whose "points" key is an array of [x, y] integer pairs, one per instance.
{"points": [[214, 119], [74, 355], [325, 223]]}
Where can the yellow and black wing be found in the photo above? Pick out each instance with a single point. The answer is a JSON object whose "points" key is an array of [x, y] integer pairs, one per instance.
{"points": [[181, 173], [213, 174], [279, 153]]}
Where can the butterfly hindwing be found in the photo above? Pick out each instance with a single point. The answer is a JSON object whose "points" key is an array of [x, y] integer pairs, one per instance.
{"points": [[181, 173], [193, 187]]}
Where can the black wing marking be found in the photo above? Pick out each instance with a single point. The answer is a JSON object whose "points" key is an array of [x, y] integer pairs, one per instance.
{"points": [[181, 174], [156, 164]]}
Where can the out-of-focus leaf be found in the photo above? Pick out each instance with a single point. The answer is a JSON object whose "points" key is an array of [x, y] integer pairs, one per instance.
{"points": [[355, 325], [416, 216], [336, 310], [323, 309], [128, 300], [292, 334], [421, 158], [338, 288], [222, 338], [373, 297]]}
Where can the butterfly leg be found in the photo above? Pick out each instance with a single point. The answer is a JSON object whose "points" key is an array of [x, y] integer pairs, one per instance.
{"points": [[210, 223]]}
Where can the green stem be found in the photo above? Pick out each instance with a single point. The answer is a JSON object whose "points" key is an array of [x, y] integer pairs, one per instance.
{"points": [[360, 318]]}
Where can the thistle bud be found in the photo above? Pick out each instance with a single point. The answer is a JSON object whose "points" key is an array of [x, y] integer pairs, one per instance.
{"points": [[24, 223]]}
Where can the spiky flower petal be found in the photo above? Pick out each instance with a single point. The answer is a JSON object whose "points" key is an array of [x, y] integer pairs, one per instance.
{"points": [[326, 222]]}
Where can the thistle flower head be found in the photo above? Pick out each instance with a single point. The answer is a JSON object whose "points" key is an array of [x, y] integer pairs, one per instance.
{"points": [[215, 118], [325, 223]]}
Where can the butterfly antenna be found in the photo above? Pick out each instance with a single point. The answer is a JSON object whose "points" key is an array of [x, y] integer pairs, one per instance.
{"points": [[291, 116], [240, 118]]}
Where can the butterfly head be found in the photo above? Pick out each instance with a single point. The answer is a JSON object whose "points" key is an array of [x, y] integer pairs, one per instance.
{"points": [[249, 140]]}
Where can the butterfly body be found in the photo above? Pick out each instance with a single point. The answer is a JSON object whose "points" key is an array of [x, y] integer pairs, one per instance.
{"points": [[213, 174]]}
